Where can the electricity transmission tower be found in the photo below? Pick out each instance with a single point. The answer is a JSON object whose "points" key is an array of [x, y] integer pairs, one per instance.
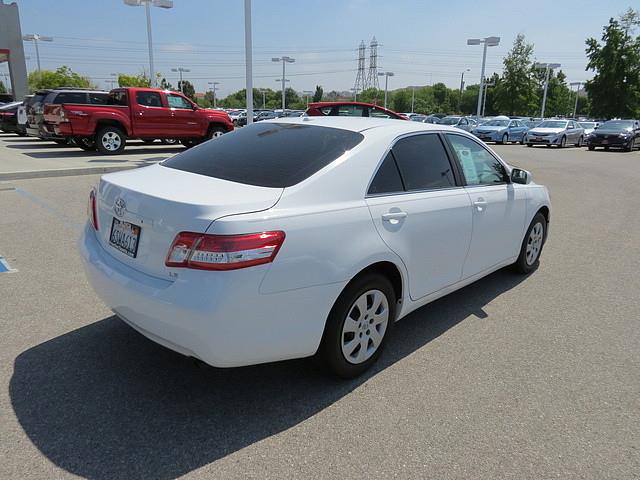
{"points": [[372, 78], [361, 81]]}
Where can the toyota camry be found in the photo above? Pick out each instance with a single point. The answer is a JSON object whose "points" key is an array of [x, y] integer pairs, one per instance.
{"points": [[306, 237]]}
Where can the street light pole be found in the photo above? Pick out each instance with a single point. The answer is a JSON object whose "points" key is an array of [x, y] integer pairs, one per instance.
{"points": [[35, 38], [213, 88], [462, 88], [386, 76], [575, 107], [180, 70], [484, 96], [413, 98], [284, 60], [248, 61], [147, 7], [306, 93], [488, 42], [355, 94], [548, 67]]}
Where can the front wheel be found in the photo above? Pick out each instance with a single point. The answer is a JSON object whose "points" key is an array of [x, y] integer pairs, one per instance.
{"points": [[591, 148], [505, 139], [531, 248], [529, 144], [215, 132], [110, 140], [358, 326], [563, 142], [579, 144]]}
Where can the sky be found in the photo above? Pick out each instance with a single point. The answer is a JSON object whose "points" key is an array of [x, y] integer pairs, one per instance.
{"points": [[422, 41]]}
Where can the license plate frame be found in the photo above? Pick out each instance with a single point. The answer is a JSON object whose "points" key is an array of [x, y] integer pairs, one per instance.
{"points": [[121, 242]]}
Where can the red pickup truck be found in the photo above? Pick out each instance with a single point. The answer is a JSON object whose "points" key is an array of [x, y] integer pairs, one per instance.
{"points": [[144, 113]]}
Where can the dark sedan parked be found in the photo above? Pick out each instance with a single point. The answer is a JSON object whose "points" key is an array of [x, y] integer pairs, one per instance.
{"points": [[624, 134], [9, 118]]}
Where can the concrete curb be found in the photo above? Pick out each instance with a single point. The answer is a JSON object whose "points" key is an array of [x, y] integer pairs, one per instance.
{"points": [[65, 172]]}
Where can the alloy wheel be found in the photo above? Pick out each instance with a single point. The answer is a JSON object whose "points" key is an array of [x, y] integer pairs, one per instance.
{"points": [[364, 327], [111, 141], [534, 243]]}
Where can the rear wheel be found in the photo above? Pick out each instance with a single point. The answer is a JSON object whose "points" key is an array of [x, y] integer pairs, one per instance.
{"points": [[110, 140], [531, 247], [358, 326], [169, 141], [505, 139]]}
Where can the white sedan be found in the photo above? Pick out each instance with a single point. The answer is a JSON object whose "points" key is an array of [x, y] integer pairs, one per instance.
{"points": [[306, 236]]}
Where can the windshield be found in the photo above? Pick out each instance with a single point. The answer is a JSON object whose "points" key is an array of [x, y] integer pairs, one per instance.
{"points": [[588, 124], [497, 123], [273, 155], [553, 124], [450, 120], [617, 124]]}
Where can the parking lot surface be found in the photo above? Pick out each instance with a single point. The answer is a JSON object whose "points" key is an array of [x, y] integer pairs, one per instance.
{"points": [[511, 377]]}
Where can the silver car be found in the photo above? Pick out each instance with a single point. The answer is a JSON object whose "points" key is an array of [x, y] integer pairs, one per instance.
{"points": [[460, 122], [556, 132]]}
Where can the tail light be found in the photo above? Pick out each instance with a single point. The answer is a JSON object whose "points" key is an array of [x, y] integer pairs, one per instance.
{"points": [[223, 252], [92, 210]]}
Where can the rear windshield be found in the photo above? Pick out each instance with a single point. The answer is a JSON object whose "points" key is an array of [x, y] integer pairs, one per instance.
{"points": [[273, 155]]}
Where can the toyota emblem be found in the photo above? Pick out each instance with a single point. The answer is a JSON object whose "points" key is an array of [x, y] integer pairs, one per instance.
{"points": [[119, 206]]}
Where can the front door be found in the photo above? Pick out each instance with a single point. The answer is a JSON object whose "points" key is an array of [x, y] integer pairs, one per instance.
{"points": [[421, 213], [498, 206], [184, 122]]}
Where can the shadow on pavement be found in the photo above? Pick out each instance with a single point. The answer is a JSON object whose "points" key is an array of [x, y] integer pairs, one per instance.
{"points": [[81, 153], [103, 402]]}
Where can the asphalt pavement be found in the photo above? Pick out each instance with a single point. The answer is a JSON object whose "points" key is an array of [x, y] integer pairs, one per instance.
{"points": [[512, 377]]}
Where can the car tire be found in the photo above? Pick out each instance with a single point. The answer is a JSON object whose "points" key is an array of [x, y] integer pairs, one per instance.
{"points": [[531, 248], [522, 141], [591, 148], [563, 142], [579, 144], [606, 149], [85, 143], [215, 132], [505, 139], [169, 141], [354, 335], [110, 140], [529, 144], [629, 148]]}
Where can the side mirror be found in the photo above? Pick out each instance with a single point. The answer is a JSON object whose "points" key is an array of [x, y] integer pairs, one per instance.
{"points": [[596, 127], [520, 176]]}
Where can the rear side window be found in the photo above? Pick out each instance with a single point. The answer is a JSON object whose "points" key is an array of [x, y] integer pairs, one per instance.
{"points": [[423, 162], [118, 98], [70, 97], [273, 155], [149, 99], [98, 98], [387, 179]]}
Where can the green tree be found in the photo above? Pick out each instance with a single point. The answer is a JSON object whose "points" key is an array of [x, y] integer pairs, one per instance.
{"points": [[441, 97], [614, 90], [317, 96], [3, 89], [133, 80], [62, 77], [469, 102], [187, 88], [516, 91], [165, 85], [401, 101], [371, 95]]}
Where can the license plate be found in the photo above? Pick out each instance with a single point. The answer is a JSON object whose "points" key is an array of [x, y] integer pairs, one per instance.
{"points": [[538, 138], [124, 237]]}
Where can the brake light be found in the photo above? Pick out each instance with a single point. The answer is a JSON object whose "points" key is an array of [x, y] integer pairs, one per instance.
{"points": [[92, 210], [223, 252]]}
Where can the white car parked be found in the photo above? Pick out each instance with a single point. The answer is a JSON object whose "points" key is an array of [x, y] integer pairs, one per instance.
{"points": [[306, 236]]}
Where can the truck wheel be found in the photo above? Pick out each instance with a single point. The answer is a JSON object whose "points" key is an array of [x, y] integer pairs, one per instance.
{"points": [[215, 132], [169, 141], [110, 140]]}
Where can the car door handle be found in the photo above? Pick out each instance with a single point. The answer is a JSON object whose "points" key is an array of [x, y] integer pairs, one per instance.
{"points": [[389, 217], [480, 204]]}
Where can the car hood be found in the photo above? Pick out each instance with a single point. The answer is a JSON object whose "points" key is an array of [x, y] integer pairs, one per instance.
{"points": [[489, 128], [611, 131], [546, 130]]}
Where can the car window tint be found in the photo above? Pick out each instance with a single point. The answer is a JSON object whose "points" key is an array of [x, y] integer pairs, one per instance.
{"points": [[98, 98], [149, 99], [387, 179], [423, 162], [377, 113], [478, 165], [70, 97], [350, 111], [176, 101], [267, 154], [118, 98]]}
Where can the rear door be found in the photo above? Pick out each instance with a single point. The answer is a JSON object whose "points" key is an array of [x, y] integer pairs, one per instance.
{"points": [[150, 117], [498, 206], [421, 212], [183, 119]]}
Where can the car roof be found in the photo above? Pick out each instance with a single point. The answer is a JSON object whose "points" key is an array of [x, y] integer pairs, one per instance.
{"points": [[360, 124]]}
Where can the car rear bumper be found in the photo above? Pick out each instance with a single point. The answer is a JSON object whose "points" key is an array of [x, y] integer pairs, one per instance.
{"points": [[218, 317]]}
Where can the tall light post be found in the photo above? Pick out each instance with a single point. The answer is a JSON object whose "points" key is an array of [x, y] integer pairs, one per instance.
{"points": [[180, 70], [286, 80], [213, 89], [35, 38], [306, 93], [488, 42], [248, 61], [113, 80], [548, 67], [413, 98], [284, 60], [355, 94], [147, 5], [484, 96], [264, 97], [575, 107], [462, 88], [386, 76]]}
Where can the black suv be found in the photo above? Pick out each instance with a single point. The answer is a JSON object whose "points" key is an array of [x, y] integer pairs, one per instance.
{"points": [[38, 127]]}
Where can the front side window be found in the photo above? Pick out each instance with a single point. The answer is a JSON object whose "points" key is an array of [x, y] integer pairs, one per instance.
{"points": [[423, 162], [478, 165], [176, 101], [149, 99], [387, 179]]}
